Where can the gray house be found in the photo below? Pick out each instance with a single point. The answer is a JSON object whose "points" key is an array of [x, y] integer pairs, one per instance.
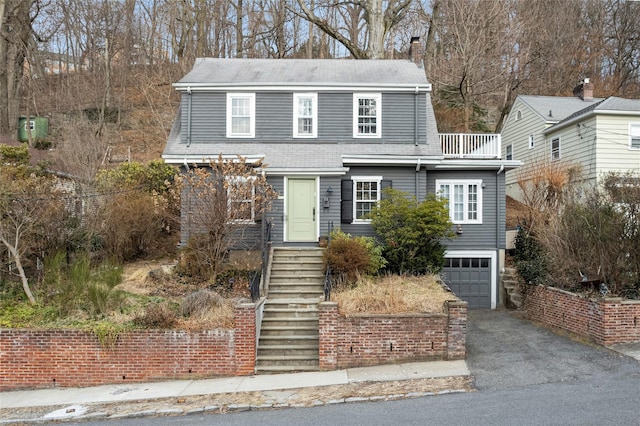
{"points": [[333, 134]]}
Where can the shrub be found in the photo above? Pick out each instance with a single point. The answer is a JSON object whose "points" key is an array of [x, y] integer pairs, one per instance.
{"points": [[77, 286], [157, 315], [529, 257], [350, 257], [412, 232], [198, 304]]}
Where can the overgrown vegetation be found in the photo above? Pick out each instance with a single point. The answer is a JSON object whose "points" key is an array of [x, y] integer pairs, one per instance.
{"points": [[593, 234], [222, 200], [351, 258], [393, 294], [412, 233]]}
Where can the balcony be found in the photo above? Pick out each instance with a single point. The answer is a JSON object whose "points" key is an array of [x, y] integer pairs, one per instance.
{"points": [[470, 145]]}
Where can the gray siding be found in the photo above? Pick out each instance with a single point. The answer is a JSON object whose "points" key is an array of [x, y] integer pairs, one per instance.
{"points": [[274, 118], [402, 178], [491, 233]]}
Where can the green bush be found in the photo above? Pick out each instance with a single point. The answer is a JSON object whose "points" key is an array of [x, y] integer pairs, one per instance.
{"points": [[529, 257], [412, 232], [78, 287], [350, 257]]}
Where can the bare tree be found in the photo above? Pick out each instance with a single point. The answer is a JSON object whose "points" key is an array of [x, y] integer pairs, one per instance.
{"points": [[220, 201], [379, 17], [30, 213], [16, 38]]}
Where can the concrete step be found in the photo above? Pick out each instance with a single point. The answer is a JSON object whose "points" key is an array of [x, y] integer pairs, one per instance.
{"points": [[310, 349], [290, 361], [277, 369], [289, 330], [303, 294], [289, 321], [291, 304], [317, 279], [292, 341]]}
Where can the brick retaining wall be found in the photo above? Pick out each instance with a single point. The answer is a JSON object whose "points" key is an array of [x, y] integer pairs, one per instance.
{"points": [[363, 340], [605, 321], [47, 358]]}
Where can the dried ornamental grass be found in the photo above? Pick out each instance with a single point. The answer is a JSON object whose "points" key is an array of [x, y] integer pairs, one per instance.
{"points": [[394, 295]]}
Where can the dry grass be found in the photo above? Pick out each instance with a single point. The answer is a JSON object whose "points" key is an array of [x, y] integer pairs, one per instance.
{"points": [[215, 318], [394, 295]]}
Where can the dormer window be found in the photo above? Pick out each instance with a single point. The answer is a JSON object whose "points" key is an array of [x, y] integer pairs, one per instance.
{"points": [[305, 115], [241, 115], [367, 115]]}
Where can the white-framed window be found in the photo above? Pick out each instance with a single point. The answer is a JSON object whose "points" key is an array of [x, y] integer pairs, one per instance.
{"points": [[508, 152], [555, 148], [241, 115], [464, 199], [366, 194], [30, 125], [531, 142], [518, 115], [634, 135], [305, 115], [367, 115], [241, 197]]}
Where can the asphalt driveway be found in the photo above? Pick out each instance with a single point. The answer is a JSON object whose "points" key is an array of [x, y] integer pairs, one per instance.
{"points": [[505, 351]]}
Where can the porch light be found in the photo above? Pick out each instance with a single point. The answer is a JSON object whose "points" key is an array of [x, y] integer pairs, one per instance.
{"points": [[329, 190]]}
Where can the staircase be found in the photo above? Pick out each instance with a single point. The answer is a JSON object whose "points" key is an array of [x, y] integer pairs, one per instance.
{"points": [[511, 284], [289, 333]]}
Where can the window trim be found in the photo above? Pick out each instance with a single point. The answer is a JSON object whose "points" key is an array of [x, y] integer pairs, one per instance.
{"points": [[252, 200], [518, 115], [356, 107], [559, 150], [634, 135], [252, 114], [508, 152], [314, 115], [466, 182], [355, 180], [531, 141]]}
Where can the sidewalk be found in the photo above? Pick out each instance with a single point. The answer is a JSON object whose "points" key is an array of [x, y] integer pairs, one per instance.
{"points": [[109, 401]]}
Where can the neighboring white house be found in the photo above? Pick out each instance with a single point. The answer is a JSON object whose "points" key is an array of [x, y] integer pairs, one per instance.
{"points": [[600, 135]]}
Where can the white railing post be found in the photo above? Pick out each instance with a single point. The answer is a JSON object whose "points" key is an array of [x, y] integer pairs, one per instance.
{"points": [[466, 145]]}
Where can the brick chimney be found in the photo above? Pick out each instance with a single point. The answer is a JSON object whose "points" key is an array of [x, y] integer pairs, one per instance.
{"points": [[415, 51], [584, 90]]}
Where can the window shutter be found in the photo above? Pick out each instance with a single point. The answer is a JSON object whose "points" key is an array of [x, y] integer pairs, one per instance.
{"points": [[384, 184], [346, 201]]}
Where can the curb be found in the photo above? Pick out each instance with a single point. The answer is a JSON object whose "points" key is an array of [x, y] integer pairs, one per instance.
{"points": [[222, 409]]}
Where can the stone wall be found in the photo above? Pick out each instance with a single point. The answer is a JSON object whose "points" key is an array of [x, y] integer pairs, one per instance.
{"points": [[48, 358], [605, 321], [363, 340]]}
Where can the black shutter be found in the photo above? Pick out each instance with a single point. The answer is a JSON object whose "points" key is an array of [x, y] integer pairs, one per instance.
{"points": [[384, 185], [346, 201]]}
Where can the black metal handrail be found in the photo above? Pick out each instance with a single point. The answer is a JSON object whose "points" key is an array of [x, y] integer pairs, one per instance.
{"points": [[327, 284], [327, 273], [265, 245]]}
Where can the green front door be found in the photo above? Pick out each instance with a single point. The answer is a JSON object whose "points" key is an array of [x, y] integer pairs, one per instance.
{"points": [[301, 210]]}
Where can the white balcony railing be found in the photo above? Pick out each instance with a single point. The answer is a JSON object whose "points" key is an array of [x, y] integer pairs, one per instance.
{"points": [[470, 145]]}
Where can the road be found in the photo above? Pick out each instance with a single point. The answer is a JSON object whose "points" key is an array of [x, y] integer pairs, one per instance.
{"points": [[525, 375]]}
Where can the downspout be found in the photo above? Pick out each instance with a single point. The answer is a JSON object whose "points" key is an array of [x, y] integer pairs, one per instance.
{"points": [[415, 116], [189, 117], [498, 228], [418, 165]]}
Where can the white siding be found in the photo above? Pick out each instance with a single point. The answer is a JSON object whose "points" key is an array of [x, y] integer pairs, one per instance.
{"points": [[516, 133], [613, 151]]}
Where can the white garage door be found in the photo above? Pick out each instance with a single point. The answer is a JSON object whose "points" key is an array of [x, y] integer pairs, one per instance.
{"points": [[470, 279]]}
